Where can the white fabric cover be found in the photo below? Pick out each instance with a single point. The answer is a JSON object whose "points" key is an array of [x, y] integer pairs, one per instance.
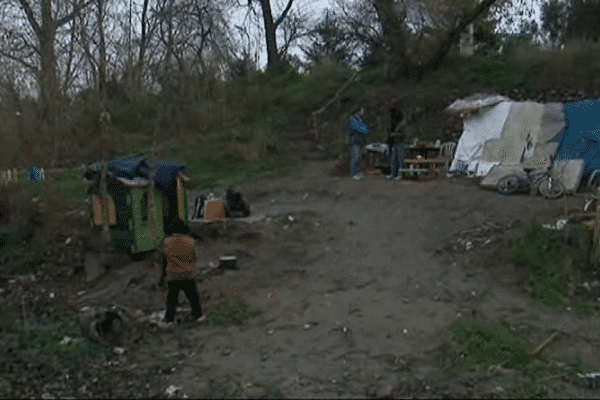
{"points": [[480, 129]]}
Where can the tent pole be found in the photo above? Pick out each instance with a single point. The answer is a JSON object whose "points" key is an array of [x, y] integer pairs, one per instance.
{"points": [[596, 245]]}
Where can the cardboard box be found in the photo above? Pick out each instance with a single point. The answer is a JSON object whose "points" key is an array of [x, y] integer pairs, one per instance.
{"points": [[215, 211]]}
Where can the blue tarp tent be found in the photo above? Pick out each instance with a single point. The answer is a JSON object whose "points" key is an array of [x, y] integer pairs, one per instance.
{"points": [[581, 135]]}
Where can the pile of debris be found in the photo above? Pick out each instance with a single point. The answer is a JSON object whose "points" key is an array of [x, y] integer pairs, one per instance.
{"points": [[489, 233]]}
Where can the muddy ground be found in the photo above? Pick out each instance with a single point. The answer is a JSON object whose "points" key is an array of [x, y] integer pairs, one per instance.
{"points": [[357, 281]]}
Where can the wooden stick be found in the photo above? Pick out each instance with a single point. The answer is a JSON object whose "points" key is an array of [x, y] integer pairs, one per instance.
{"points": [[544, 344]]}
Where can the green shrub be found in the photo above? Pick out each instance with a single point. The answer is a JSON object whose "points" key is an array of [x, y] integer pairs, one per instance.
{"points": [[486, 344], [551, 257], [37, 347]]}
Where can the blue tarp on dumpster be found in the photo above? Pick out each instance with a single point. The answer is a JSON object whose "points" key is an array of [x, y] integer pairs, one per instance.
{"points": [[139, 167]]}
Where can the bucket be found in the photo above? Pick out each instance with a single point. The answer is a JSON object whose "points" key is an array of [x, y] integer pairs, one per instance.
{"points": [[228, 262]]}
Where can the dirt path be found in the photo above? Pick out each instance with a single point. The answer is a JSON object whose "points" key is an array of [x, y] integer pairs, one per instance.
{"points": [[355, 297], [355, 292]]}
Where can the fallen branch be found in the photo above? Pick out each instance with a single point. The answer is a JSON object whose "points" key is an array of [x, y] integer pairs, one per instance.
{"points": [[543, 345]]}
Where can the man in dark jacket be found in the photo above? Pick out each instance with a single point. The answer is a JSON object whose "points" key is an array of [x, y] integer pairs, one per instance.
{"points": [[179, 260], [358, 131], [396, 143]]}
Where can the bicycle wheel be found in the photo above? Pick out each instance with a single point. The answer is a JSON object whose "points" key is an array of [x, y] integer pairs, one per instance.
{"points": [[510, 184], [551, 188]]}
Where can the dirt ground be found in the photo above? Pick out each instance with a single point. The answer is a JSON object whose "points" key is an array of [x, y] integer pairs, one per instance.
{"points": [[357, 281]]}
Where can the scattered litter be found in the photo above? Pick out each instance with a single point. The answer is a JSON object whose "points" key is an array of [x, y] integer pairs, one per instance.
{"points": [[171, 390], [84, 309], [212, 265], [156, 317], [285, 227], [327, 248], [305, 196], [333, 381], [66, 340], [558, 226], [51, 295], [269, 295], [119, 350], [568, 308], [317, 224], [81, 292], [11, 280], [589, 375], [404, 330], [307, 326], [271, 331], [475, 238], [2, 290], [246, 385], [593, 378], [68, 241]]}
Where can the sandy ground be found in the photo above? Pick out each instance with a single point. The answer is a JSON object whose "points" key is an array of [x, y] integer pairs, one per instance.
{"points": [[355, 296]]}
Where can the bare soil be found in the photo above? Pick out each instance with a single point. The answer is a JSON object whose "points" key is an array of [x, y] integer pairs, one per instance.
{"points": [[358, 281]]}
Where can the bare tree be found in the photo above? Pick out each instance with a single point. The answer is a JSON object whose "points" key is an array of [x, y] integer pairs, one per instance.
{"points": [[412, 36], [270, 26]]}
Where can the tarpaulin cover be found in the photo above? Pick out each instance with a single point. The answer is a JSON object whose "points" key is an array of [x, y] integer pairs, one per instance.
{"points": [[481, 128], [139, 167], [581, 136], [499, 135]]}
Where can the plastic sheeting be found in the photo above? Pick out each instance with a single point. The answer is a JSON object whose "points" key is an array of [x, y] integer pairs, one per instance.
{"points": [[139, 167], [475, 102], [483, 127], [581, 136], [499, 135]]}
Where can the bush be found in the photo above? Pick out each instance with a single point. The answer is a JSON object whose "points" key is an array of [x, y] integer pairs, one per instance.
{"points": [[486, 344], [551, 257]]}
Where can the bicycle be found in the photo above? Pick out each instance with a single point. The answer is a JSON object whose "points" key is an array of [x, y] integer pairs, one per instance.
{"points": [[541, 181]]}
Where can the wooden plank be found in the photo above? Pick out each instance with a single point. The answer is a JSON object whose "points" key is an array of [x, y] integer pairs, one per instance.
{"points": [[180, 198]]}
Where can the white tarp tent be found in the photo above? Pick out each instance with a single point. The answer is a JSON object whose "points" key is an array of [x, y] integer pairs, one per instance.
{"points": [[481, 127], [498, 134]]}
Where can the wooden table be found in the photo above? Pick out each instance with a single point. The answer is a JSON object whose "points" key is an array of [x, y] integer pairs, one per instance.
{"points": [[422, 166], [422, 159]]}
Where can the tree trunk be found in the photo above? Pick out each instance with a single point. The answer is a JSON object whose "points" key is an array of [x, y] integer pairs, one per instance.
{"points": [[49, 82], [102, 45], [399, 68], [270, 34]]}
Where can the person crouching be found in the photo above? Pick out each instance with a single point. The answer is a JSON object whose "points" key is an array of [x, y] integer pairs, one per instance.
{"points": [[179, 259]]}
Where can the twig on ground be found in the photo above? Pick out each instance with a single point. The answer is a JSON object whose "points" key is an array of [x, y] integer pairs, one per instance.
{"points": [[543, 345]]}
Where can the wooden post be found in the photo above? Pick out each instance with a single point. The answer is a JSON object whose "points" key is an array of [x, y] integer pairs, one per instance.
{"points": [[596, 246]]}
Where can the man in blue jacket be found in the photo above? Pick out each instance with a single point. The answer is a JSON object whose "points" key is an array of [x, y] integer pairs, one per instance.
{"points": [[358, 131]]}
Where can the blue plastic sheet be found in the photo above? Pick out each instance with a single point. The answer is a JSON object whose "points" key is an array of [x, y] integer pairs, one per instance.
{"points": [[581, 135]]}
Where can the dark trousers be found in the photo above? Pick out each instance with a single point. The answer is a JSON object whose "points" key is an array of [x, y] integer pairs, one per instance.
{"points": [[189, 288], [396, 158]]}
